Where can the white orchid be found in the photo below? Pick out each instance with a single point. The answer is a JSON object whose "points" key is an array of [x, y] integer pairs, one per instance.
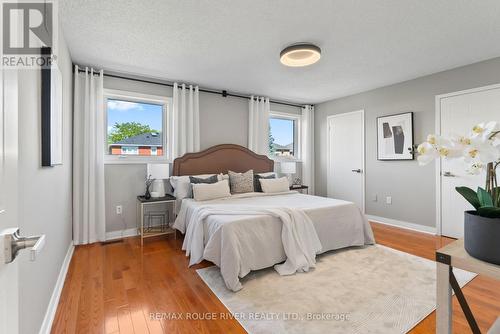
{"points": [[481, 149], [450, 148], [475, 168], [427, 153], [437, 146], [485, 130]]}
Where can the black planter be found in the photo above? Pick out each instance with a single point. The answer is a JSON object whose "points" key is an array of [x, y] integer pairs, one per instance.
{"points": [[482, 237]]}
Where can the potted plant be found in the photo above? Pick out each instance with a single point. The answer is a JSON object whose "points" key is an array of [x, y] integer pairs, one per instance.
{"points": [[481, 151]]}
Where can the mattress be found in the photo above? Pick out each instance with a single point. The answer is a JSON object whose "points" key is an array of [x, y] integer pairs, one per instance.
{"points": [[241, 243]]}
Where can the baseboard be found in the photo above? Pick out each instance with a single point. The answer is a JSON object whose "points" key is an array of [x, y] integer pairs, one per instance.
{"points": [[56, 293], [131, 232], [402, 224]]}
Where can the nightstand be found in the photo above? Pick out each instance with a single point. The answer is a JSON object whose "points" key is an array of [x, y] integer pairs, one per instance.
{"points": [[154, 216], [300, 188]]}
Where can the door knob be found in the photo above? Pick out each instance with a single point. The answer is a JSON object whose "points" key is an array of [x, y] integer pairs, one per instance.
{"points": [[356, 170], [448, 174], [11, 243]]}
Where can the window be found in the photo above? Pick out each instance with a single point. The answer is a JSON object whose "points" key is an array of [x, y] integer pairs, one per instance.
{"points": [[137, 127], [283, 135]]}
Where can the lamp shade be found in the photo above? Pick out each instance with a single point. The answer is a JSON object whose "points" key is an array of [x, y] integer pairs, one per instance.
{"points": [[158, 171], [288, 167]]}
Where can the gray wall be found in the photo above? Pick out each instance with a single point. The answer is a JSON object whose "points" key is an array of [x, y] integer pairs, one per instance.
{"points": [[45, 195], [222, 121], [412, 187]]}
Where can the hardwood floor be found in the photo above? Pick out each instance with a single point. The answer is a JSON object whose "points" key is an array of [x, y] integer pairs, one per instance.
{"points": [[118, 288]]}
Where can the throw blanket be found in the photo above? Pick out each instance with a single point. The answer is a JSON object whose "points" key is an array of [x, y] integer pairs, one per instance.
{"points": [[299, 238]]}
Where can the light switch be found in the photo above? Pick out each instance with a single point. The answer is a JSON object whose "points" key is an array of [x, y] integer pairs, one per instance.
{"points": [[388, 200]]}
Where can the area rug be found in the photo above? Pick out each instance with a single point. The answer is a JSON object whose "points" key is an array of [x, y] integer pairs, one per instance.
{"points": [[374, 289]]}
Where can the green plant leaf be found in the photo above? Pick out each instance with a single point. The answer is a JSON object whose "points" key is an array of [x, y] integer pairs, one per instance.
{"points": [[489, 212], [484, 197], [470, 195]]}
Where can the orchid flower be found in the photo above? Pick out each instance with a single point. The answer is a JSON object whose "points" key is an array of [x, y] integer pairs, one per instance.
{"points": [[481, 148], [475, 168], [485, 130], [427, 153]]}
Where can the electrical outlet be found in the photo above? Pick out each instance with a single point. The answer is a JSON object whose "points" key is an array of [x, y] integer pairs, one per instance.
{"points": [[119, 209], [374, 198], [388, 200]]}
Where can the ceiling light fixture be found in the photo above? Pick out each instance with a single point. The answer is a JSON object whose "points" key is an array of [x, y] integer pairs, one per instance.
{"points": [[298, 55]]}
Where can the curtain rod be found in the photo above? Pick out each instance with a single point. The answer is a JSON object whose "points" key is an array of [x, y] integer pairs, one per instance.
{"points": [[224, 93]]}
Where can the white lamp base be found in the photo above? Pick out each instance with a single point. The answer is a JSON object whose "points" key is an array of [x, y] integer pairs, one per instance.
{"points": [[158, 188]]}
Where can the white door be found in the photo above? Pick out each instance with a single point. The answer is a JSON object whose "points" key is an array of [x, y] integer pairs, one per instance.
{"points": [[459, 113], [8, 196], [346, 155]]}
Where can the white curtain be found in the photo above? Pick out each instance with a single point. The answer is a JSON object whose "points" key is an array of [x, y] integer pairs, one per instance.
{"points": [[258, 124], [88, 157], [307, 149], [186, 119]]}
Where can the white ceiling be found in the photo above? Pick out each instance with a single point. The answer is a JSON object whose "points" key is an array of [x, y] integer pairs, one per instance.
{"points": [[235, 44]]}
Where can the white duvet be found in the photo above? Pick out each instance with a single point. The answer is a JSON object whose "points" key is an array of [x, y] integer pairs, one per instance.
{"points": [[255, 231]]}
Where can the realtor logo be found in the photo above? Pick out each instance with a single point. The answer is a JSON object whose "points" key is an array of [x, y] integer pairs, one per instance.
{"points": [[27, 28]]}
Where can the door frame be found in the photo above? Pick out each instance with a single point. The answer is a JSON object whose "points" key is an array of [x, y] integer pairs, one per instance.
{"points": [[363, 163], [438, 132]]}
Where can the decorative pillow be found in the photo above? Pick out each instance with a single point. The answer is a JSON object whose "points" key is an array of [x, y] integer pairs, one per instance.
{"points": [[266, 174], [197, 180], [208, 191], [275, 185], [223, 177], [182, 185], [256, 182], [241, 182]]}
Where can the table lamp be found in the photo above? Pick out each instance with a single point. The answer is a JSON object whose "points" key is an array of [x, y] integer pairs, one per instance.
{"points": [[159, 172], [288, 168]]}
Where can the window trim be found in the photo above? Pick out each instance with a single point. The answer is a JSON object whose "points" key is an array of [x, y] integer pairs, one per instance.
{"points": [[297, 138], [167, 130]]}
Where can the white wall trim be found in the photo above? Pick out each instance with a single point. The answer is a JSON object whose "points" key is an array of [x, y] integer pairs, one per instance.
{"points": [[112, 235], [56, 293], [402, 224]]}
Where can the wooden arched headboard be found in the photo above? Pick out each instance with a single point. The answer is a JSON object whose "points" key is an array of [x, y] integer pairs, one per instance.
{"points": [[221, 158]]}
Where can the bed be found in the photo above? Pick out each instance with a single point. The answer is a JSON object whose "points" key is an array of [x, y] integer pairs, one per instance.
{"points": [[238, 242]]}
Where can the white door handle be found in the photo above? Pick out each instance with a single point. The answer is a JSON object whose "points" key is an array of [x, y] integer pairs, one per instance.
{"points": [[37, 247], [12, 243], [356, 170]]}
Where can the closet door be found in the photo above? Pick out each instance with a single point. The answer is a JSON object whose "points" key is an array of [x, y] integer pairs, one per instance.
{"points": [[459, 113], [346, 157]]}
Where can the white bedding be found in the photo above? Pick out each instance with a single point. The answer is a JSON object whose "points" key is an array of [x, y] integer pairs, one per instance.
{"points": [[239, 243]]}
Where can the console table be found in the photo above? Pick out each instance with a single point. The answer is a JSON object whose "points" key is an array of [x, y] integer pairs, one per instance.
{"points": [[455, 255]]}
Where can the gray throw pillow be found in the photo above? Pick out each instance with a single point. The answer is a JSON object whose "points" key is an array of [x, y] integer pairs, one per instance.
{"points": [[241, 182], [196, 180], [256, 182]]}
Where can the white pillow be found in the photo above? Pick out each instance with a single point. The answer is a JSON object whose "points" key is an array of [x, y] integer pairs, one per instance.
{"points": [[208, 191], [275, 185], [182, 184], [266, 174], [223, 176]]}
